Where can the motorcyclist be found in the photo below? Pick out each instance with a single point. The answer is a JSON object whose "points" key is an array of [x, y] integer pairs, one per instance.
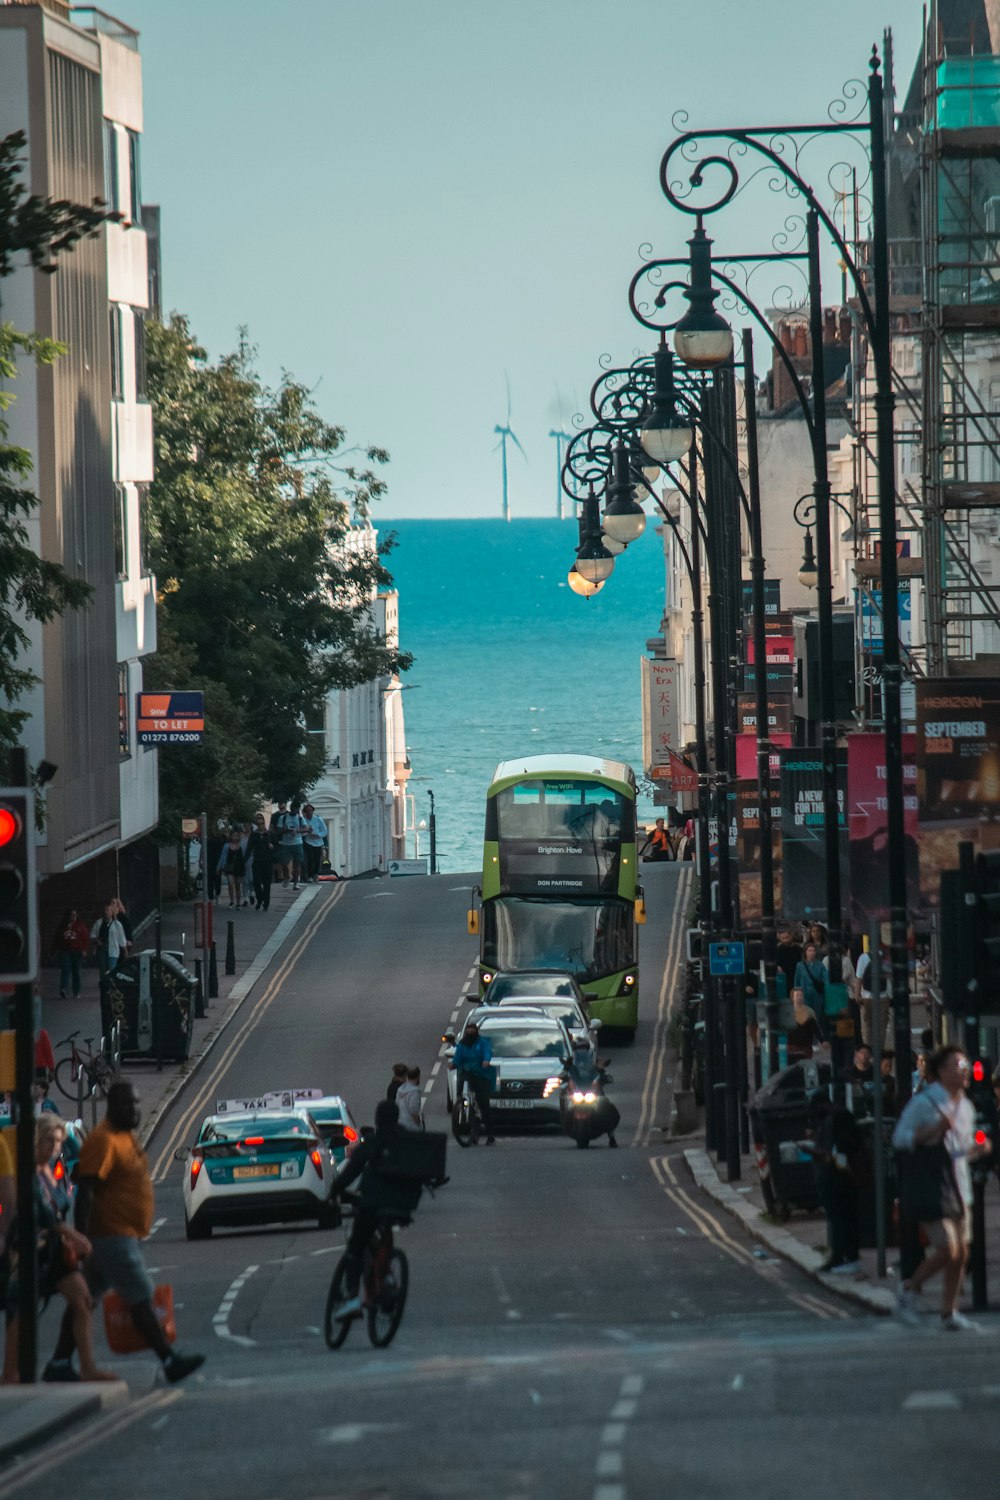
{"points": [[379, 1197], [471, 1059], [586, 1071]]}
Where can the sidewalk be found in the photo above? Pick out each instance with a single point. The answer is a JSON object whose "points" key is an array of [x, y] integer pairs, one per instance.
{"points": [[30, 1415], [802, 1238]]}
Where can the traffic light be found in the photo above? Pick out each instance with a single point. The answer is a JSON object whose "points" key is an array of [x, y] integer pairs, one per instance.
{"points": [[18, 892], [988, 933]]}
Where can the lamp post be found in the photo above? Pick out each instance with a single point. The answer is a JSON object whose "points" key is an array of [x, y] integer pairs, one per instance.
{"points": [[782, 147], [432, 828]]}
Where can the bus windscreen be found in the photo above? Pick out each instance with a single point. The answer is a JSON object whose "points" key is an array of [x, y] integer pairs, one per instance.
{"points": [[587, 938], [561, 835]]}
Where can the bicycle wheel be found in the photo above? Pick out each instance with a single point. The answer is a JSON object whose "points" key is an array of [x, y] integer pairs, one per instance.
{"points": [[475, 1123], [461, 1120], [336, 1329], [386, 1310], [65, 1077], [102, 1075]]}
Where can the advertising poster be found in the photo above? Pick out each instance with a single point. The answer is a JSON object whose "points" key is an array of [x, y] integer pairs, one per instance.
{"points": [[772, 596], [660, 719], [868, 895], [748, 848], [958, 772], [779, 714], [746, 755], [779, 675], [802, 842]]}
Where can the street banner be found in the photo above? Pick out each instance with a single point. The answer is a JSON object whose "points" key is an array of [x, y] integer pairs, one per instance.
{"points": [[868, 613], [958, 772], [170, 718], [746, 756], [660, 679], [683, 778], [779, 714], [777, 648], [748, 847], [867, 819], [772, 596], [802, 841], [779, 676]]}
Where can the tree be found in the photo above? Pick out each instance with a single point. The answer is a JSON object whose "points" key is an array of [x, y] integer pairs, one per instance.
{"points": [[259, 602], [31, 588]]}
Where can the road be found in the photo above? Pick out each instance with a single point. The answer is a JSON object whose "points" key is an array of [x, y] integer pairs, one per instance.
{"points": [[579, 1323]]}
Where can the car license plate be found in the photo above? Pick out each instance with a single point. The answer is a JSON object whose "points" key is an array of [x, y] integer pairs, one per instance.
{"points": [[514, 1103], [270, 1170]]}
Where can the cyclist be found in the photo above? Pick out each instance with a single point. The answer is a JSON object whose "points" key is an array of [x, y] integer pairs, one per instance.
{"points": [[379, 1197], [471, 1060]]}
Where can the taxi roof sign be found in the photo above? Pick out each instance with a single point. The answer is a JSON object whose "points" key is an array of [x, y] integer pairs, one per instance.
{"points": [[274, 1099]]}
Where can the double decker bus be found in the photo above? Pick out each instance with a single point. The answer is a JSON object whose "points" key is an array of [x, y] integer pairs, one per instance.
{"points": [[560, 889]]}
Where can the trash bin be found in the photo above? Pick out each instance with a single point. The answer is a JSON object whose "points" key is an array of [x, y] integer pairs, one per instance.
{"points": [[779, 1119], [153, 1000], [172, 991]]}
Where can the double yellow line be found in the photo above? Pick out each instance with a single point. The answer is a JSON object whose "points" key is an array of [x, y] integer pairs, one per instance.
{"points": [[199, 1102]]}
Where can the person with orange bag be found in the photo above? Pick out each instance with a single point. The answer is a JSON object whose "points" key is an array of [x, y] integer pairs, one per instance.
{"points": [[114, 1209]]}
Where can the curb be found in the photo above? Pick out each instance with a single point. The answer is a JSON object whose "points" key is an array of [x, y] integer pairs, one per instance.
{"points": [[234, 1000], [26, 1427], [875, 1299]]}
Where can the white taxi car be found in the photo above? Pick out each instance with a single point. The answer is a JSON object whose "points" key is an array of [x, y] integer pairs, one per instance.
{"points": [[263, 1165]]}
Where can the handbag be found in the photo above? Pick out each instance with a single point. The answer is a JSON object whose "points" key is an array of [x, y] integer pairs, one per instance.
{"points": [[927, 1186], [121, 1333]]}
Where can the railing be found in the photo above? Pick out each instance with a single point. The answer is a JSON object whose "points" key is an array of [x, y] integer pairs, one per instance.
{"points": [[89, 18]]}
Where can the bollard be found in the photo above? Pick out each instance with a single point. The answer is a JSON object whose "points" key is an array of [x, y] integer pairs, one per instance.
{"points": [[719, 1095], [213, 974], [199, 993], [230, 947]]}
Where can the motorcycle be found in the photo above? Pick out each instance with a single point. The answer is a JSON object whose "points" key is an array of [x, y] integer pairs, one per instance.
{"points": [[587, 1111]]}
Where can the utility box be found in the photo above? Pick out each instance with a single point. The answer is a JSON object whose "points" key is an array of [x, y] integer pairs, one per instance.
{"points": [[152, 998]]}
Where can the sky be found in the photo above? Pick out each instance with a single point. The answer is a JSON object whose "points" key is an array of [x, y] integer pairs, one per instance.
{"points": [[409, 203]]}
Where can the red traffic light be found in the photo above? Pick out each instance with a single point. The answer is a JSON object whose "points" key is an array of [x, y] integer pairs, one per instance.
{"points": [[978, 1071], [10, 826]]}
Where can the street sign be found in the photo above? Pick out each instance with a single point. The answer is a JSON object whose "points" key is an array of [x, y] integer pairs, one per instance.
{"points": [[726, 958], [416, 866], [170, 718], [189, 827]]}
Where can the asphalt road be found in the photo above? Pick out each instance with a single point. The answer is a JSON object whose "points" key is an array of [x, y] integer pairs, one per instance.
{"points": [[579, 1323]]}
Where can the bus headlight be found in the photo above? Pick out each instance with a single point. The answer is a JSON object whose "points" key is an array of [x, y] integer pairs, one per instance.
{"points": [[628, 983]]}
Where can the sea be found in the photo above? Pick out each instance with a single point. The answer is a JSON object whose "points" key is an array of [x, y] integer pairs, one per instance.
{"points": [[508, 661]]}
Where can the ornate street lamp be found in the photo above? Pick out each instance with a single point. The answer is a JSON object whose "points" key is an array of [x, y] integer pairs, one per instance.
{"points": [[808, 573], [594, 562], [666, 435], [703, 339], [624, 519]]}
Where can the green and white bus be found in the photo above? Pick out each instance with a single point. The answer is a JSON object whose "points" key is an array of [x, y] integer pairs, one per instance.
{"points": [[560, 888]]}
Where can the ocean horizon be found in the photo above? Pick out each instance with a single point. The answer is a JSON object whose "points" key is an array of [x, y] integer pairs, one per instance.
{"points": [[508, 661]]}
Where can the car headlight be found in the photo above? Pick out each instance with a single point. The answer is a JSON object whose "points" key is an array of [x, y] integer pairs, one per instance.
{"points": [[551, 1084]]}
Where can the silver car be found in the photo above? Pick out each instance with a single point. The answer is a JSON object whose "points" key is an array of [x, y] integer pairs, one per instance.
{"points": [[530, 1052]]}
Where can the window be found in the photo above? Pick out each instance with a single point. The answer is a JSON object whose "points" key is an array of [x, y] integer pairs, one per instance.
{"points": [[110, 165], [135, 182], [124, 742], [121, 531], [354, 758], [117, 355], [145, 551], [139, 331]]}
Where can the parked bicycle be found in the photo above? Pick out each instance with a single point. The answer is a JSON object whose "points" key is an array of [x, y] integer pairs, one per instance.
{"points": [[93, 1067], [466, 1122], [385, 1277]]}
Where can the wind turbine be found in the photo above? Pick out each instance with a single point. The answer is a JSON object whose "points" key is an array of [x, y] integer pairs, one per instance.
{"points": [[506, 431], [562, 438]]}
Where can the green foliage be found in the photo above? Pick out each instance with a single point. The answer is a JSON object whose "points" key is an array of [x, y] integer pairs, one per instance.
{"points": [[259, 606], [30, 587]]}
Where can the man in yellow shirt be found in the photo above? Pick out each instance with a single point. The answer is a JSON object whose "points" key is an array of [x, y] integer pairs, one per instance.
{"points": [[114, 1209]]}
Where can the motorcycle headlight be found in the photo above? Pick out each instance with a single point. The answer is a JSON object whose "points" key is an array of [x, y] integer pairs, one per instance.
{"points": [[578, 1098], [589, 1098]]}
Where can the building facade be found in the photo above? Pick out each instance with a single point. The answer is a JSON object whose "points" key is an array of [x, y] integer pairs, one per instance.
{"points": [[71, 78]]}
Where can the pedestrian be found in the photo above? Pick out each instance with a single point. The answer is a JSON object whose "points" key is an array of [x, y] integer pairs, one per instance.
{"points": [[261, 853], [935, 1140], [865, 979], [45, 1058], [234, 868], [658, 843], [840, 1159], [399, 1072], [409, 1101], [108, 938], [61, 1251], [810, 977], [275, 829], [43, 1104], [313, 841], [292, 829], [805, 1034], [71, 943], [114, 1209], [817, 934], [788, 957], [121, 912]]}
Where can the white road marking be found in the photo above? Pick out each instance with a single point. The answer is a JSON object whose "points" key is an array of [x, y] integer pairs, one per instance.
{"points": [[931, 1401], [632, 1385], [159, 1423], [220, 1321], [435, 1070], [158, 1224], [609, 1492], [623, 1411], [353, 1432], [326, 1250], [613, 1435], [737, 1384], [609, 1464], [376, 895]]}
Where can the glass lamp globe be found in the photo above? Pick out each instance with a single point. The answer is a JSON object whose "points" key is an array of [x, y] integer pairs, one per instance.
{"points": [[580, 585]]}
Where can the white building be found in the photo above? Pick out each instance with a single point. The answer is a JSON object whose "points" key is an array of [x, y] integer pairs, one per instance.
{"points": [[71, 78], [362, 791]]}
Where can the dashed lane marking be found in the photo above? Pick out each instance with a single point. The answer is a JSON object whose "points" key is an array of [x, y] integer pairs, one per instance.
{"points": [[931, 1401], [220, 1321]]}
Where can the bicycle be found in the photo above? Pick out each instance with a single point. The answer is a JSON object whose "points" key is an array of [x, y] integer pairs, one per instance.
{"points": [[385, 1277], [466, 1121], [98, 1074]]}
